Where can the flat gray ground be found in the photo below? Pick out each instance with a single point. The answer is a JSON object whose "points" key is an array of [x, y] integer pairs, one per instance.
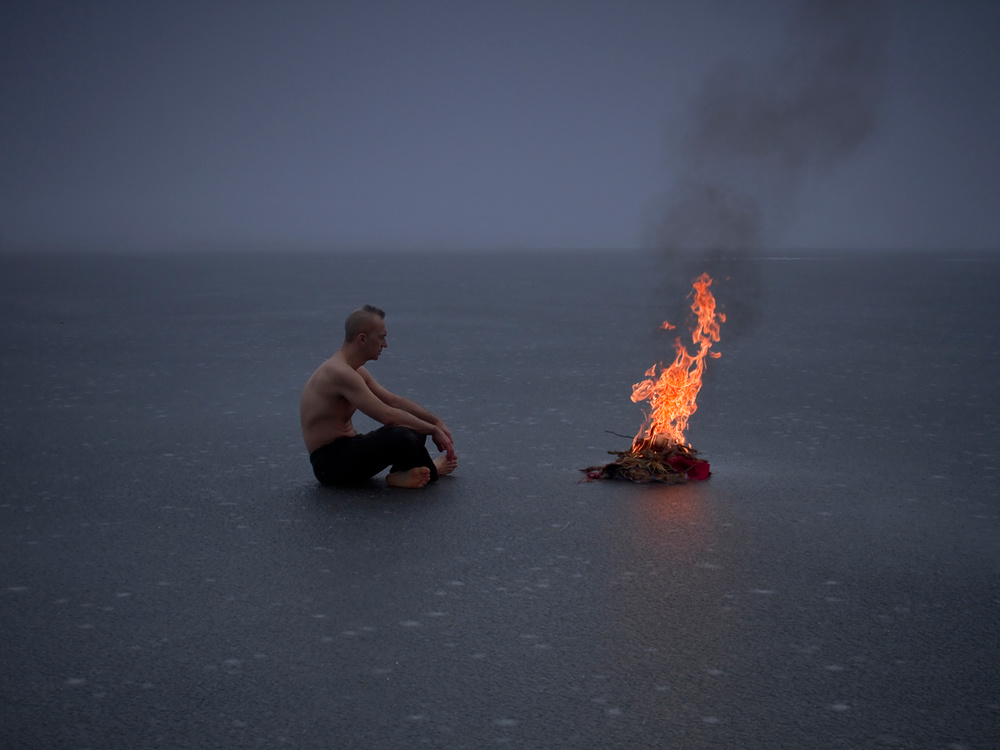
{"points": [[171, 576]]}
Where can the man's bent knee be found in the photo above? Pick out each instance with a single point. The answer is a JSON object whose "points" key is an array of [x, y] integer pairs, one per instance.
{"points": [[403, 434]]}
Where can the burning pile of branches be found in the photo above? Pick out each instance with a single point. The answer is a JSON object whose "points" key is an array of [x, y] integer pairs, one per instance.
{"points": [[672, 463], [659, 452]]}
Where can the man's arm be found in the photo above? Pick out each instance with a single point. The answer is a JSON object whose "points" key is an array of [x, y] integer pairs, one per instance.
{"points": [[416, 410], [355, 387], [392, 399]]}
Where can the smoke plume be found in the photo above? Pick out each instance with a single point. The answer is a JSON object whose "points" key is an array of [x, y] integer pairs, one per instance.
{"points": [[753, 136]]}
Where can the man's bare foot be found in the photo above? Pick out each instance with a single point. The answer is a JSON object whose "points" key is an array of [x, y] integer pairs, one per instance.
{"points": [[444, 465], [413, 478]]}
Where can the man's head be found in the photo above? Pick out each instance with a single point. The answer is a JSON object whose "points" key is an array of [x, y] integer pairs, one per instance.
{"points": [[365, 328]]}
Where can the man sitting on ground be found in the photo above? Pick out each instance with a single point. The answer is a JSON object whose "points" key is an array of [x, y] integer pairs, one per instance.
{"points": [[341, 386]]}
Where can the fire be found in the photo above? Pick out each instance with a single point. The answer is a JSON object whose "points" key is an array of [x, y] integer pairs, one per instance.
{"points": [[673, 392], [659, 453]]}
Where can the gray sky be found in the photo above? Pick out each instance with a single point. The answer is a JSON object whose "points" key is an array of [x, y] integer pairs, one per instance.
{"points": [[545, 123]]}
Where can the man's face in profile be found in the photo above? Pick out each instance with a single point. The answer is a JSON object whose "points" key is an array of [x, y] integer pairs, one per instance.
{"points": [[375, 340]]}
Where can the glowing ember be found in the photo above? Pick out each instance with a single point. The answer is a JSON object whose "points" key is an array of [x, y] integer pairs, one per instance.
{"points": [[673, 392]]}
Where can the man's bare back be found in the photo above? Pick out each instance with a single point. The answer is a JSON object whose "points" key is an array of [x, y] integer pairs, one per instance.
{"points": [[324, 411], [342, 385]]}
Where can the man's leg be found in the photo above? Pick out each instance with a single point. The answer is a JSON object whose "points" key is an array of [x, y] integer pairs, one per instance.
{"points": [[340, 462], [408, 451], [413, 451], [354, 459]]}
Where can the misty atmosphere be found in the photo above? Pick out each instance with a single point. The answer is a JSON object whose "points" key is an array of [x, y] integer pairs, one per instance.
{"points": [[495, 125], [193, 198]]}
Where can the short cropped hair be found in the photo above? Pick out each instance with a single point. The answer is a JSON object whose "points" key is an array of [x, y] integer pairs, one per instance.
{"points": [[360, 321]]}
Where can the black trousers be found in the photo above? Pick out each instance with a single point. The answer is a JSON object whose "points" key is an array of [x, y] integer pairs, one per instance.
{"points": [[348, 460]]}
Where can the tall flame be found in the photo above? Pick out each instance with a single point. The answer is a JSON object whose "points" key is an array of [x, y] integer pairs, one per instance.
{"points": [[672, 393]]}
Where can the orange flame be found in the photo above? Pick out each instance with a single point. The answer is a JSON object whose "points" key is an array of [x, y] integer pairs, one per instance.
{"points": [[673, 392]]}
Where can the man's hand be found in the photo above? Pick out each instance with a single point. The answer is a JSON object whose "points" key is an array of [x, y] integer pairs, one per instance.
{"points": [[443, 427], [442, 439]]}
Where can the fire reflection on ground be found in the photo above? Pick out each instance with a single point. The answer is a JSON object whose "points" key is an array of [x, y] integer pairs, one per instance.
{"points": [[672, 620]]}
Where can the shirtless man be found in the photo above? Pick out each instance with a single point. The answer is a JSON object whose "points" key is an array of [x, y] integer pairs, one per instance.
{"points": [[339, 387]]}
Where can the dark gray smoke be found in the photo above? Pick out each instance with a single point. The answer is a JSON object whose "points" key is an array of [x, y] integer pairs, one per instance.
{"points": [[753, 136]]}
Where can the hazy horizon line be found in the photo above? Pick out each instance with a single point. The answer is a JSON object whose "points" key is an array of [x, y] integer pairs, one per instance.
{"points": [[121, 247]]}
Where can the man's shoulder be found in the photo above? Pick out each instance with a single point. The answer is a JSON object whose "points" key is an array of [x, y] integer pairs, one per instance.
{"points": [[336, 364], [338, 371], [333, 371]]}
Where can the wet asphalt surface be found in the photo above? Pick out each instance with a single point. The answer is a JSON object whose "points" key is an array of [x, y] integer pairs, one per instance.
{"points": [[172, 577]]}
